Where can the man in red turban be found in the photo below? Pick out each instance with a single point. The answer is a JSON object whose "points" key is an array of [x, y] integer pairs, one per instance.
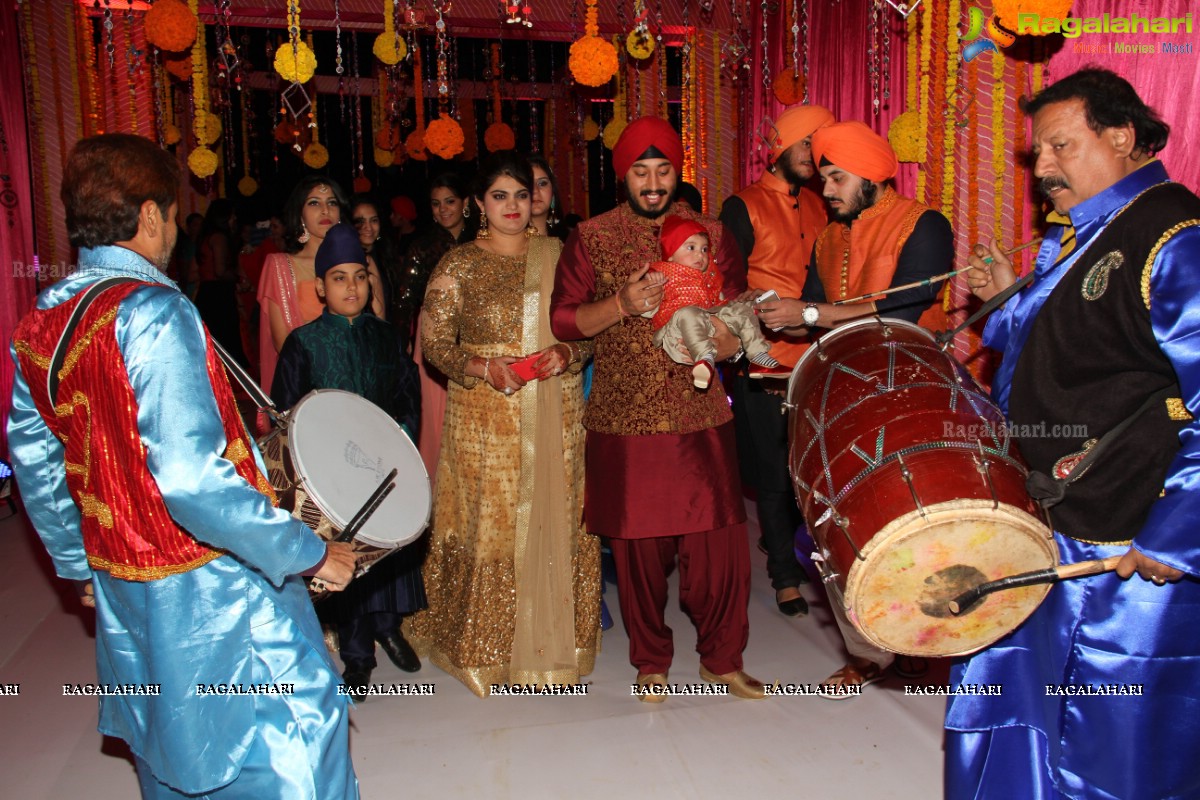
{"points": [[875, 240], [657, 450], [775, 222]]}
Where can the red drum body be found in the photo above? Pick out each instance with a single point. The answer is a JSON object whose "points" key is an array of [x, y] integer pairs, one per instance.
{"points": [[912, 490]]}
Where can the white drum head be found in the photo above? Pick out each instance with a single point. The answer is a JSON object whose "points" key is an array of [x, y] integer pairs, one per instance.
{"points": [[343, 447]]}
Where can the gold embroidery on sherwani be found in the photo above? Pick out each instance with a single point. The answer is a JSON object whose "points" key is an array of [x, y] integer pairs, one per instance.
{"points": [[475, 306]]}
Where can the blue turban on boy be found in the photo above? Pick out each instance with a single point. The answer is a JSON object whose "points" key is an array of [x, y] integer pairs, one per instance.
{"points": [[341, 246]]}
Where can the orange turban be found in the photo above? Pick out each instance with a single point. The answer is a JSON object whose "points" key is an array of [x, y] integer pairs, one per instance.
{"points": [[796, 124], [642, 134], [855, 148]]}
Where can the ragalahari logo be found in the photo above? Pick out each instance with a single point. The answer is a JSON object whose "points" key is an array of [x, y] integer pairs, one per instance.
{"points": [[998, 36]]}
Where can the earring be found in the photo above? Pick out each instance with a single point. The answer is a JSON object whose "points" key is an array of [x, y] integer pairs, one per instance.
{"points": [[303, 237], [532, 231], [552, 219], [466, 210], [484, 233]]}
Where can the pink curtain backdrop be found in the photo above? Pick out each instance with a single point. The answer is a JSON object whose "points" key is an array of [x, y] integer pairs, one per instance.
{"points": [[1168, 83], [16, 221], [837, 73]]}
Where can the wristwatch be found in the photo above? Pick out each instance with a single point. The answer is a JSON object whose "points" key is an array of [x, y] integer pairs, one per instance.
{"points": [[811, 315]]}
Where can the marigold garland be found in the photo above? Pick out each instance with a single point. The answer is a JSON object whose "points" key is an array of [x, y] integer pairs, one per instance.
{"points": [[298, 67], [906, 137], [499, 136], [170, 25], [613, 131], [208, 129], [177, 67], [389, 48], [285, 131], [247, 186], [383, 157], [593, 61], [414, 145], [362, 184], [788, 87], [444, 137], [171, 134], [590, 130], [202, 162], [316, 155], [949, 166]]}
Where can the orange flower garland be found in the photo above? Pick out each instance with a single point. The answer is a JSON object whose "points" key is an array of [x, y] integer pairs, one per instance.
{"points": [[444, 137], [499, 136], [383, 158], [202, 161], [362, 184], [788, 87], [592, 61], [180, 68], [414, 145], [170, 25]]}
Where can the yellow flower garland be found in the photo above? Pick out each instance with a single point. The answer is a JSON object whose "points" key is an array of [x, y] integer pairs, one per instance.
{"points": [[590, 130], [383, 158], [295, 60], [389, 48], [202, 162], [209, 130], [316, 155], [907, 138], [247, 186]]}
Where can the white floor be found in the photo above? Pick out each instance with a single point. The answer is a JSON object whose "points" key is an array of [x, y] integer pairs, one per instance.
{"points": [[605, 745]]}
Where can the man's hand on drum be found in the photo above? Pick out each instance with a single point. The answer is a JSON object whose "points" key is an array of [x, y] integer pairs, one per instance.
{"points": [[338, 569], [496, 373], [1146, 567], [989, 271], [643, 291]]}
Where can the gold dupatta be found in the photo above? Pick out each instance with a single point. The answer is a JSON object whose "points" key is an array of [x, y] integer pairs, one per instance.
{"points": [[543, 649]]}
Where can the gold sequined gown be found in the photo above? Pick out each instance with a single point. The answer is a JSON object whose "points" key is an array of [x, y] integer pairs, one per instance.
{"points": [[476, 306]]}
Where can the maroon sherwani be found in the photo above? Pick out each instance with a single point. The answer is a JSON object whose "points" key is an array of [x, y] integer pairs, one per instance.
{"points": [[662, 480]]}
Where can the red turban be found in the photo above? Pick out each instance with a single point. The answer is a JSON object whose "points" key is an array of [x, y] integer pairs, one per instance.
{"points": [[675, 231], [797, 124], [857, 149], [642, 134], [404, 207]]}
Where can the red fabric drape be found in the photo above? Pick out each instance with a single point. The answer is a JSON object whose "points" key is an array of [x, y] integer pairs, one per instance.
{"points": [[17, 283], [1168, 83]]}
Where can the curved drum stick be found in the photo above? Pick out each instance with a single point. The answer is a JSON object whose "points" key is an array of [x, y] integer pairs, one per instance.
{"points": [[964, 602]]}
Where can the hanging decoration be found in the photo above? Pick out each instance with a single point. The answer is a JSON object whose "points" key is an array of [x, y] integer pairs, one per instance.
{"points": [[519, 13], [247, 186], [414, 144], [639, 43], [620, 119], [170, 26], [593, 61], [178, 67], [202, 161], [316, 155], [295, 61], [498, 135], [171, 134], [207, 128], [907, 137], [590, 130], [789, 85], [389, 47], [444, 137]]}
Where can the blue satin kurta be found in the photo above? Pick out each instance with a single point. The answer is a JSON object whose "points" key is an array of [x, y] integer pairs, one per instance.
{"points": [[1030, 742], [244, 618]]}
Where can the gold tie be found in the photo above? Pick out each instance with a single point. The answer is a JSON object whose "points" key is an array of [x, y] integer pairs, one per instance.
{"points": [[1068, 236]]}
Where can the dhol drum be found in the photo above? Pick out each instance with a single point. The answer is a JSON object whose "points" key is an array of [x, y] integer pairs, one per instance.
{"points": [[331, 452], [912, 490]]}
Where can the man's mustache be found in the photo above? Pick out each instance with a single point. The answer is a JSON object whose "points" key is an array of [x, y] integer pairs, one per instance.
{"points": [[1052, 182]]}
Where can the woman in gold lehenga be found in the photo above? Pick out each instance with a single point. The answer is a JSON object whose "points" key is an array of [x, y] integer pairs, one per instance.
{"points": [[513, 579]]}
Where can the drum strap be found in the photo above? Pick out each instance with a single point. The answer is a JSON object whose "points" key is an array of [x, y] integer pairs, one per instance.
{"points": [[1049, 491], [64, 341], [986, 308]]}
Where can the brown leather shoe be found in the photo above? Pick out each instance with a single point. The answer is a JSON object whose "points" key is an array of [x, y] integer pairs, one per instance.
{"points": [[740, 684], [651, 679]]}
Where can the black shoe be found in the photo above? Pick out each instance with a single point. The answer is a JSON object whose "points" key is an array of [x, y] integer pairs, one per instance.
{"points": [[796, 607], [357, 678], [400, 652]]}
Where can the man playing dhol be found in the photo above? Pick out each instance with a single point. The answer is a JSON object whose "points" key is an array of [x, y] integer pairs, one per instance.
{"points": [[1106, 333], [145, 487], [875, 239], [658, 452], [775, 222]]}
